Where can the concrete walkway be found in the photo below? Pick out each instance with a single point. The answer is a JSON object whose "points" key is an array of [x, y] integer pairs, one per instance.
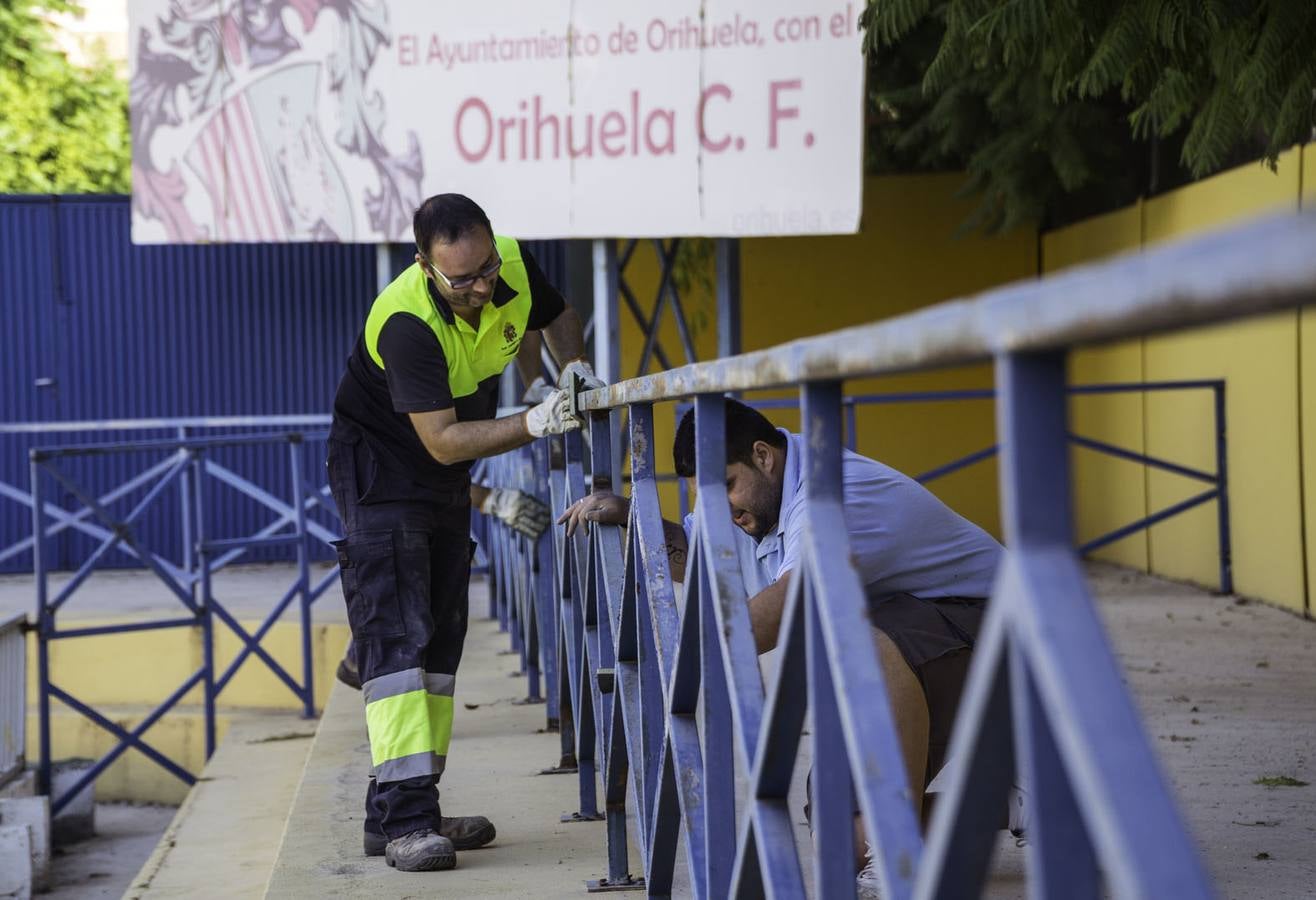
{"points": [[1224, 685], [234, 815], [497, 749], [1227, 691]]}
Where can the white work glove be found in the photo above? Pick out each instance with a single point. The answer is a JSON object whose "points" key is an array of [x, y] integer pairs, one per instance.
{"points": [[552, 416], [523, 512], [582, 368], [537, 392]]}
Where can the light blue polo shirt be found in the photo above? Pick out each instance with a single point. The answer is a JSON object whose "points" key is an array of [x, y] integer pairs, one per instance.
{"points": [[902, 538]]}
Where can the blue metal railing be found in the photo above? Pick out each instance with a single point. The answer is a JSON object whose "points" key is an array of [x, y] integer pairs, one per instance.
{"points": [[1044, 697], [1219, 480], [81, 522], [185, 465]]}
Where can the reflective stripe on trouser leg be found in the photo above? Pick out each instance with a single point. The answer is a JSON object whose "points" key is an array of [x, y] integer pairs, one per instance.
{"points": [[409, 720]]}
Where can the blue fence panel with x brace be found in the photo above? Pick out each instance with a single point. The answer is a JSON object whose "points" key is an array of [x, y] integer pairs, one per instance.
{"points": [[186, 464], [1218, 480], [1044, 698]]}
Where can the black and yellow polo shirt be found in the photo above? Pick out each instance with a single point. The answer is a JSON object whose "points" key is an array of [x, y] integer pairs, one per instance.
{"points": [[415, 355]]}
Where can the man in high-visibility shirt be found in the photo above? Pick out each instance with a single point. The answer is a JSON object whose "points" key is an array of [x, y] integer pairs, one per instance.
{"points": [[414, 409]]}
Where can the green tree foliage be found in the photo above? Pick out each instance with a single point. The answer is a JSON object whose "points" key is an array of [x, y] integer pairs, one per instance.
{"points": [[1055, 103], [63, 129]]}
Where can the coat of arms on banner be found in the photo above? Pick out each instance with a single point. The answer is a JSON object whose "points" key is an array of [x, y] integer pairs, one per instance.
{"points": [[225, 88], [265, 165]]}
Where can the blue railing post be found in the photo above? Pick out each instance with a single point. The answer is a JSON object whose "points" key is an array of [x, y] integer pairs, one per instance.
{"points": [[203, 559], [295, 447], [717, 729], [1222, 486], [832, 803], [723, 650], [545, 609], [573, 618], [603, 590], [498, 572], [527, 565], [1069, 698], [482, 531], [650, 640], [185, 512], [1037, 516], [845, 681], [45, 625], [561, 619]]}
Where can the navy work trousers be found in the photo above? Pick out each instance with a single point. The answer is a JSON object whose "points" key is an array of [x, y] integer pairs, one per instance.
{"points": [[406, 553]]}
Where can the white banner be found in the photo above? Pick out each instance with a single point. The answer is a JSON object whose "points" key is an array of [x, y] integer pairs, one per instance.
{"points": [[307, 120]]}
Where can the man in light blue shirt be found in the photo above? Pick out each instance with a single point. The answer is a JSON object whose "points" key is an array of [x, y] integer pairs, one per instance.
{"points": [[902, 538], [927, 570]]}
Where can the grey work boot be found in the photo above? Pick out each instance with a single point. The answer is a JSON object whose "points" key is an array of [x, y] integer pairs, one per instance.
{"points": [[465, 832], [424, 850]]}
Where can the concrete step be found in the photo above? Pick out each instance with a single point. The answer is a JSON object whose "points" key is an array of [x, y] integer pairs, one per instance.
{"points": [[24, 845], [497, 749], [16, 862], [226, 833]]}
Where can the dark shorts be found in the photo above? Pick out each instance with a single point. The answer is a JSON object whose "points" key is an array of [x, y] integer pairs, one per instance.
{"points": [[936, 638]]}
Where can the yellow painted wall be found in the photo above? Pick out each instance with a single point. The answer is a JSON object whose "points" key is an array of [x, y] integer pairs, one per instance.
{"points": [[1108, 493], [907, 256], [144, 667], [1271, 377], [1259, 360]]}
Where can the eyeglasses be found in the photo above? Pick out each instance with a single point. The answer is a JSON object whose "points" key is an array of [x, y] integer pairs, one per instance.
{"points": [[462, 283]]}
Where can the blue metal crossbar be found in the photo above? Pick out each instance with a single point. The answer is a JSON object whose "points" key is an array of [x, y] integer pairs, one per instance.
{"points": [[187, 465], [662, 695], [1219, 479], [181, 427]]}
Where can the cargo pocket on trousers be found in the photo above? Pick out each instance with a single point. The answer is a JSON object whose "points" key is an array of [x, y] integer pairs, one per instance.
{"points": [[368, 563]]}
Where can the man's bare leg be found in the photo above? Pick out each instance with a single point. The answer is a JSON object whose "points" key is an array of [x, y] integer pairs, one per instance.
{"points": [[909, 710]]}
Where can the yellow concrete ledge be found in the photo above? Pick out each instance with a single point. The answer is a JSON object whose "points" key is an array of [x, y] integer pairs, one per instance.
{"points": [[133, 776], [124, 676], [144, 667]]}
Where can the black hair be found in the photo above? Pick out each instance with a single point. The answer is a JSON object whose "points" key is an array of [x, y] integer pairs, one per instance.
{"points": [[447, 218], [744, 427]]}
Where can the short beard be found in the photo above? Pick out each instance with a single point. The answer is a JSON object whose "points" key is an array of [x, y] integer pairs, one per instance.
{"points": [[770, 513]]}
